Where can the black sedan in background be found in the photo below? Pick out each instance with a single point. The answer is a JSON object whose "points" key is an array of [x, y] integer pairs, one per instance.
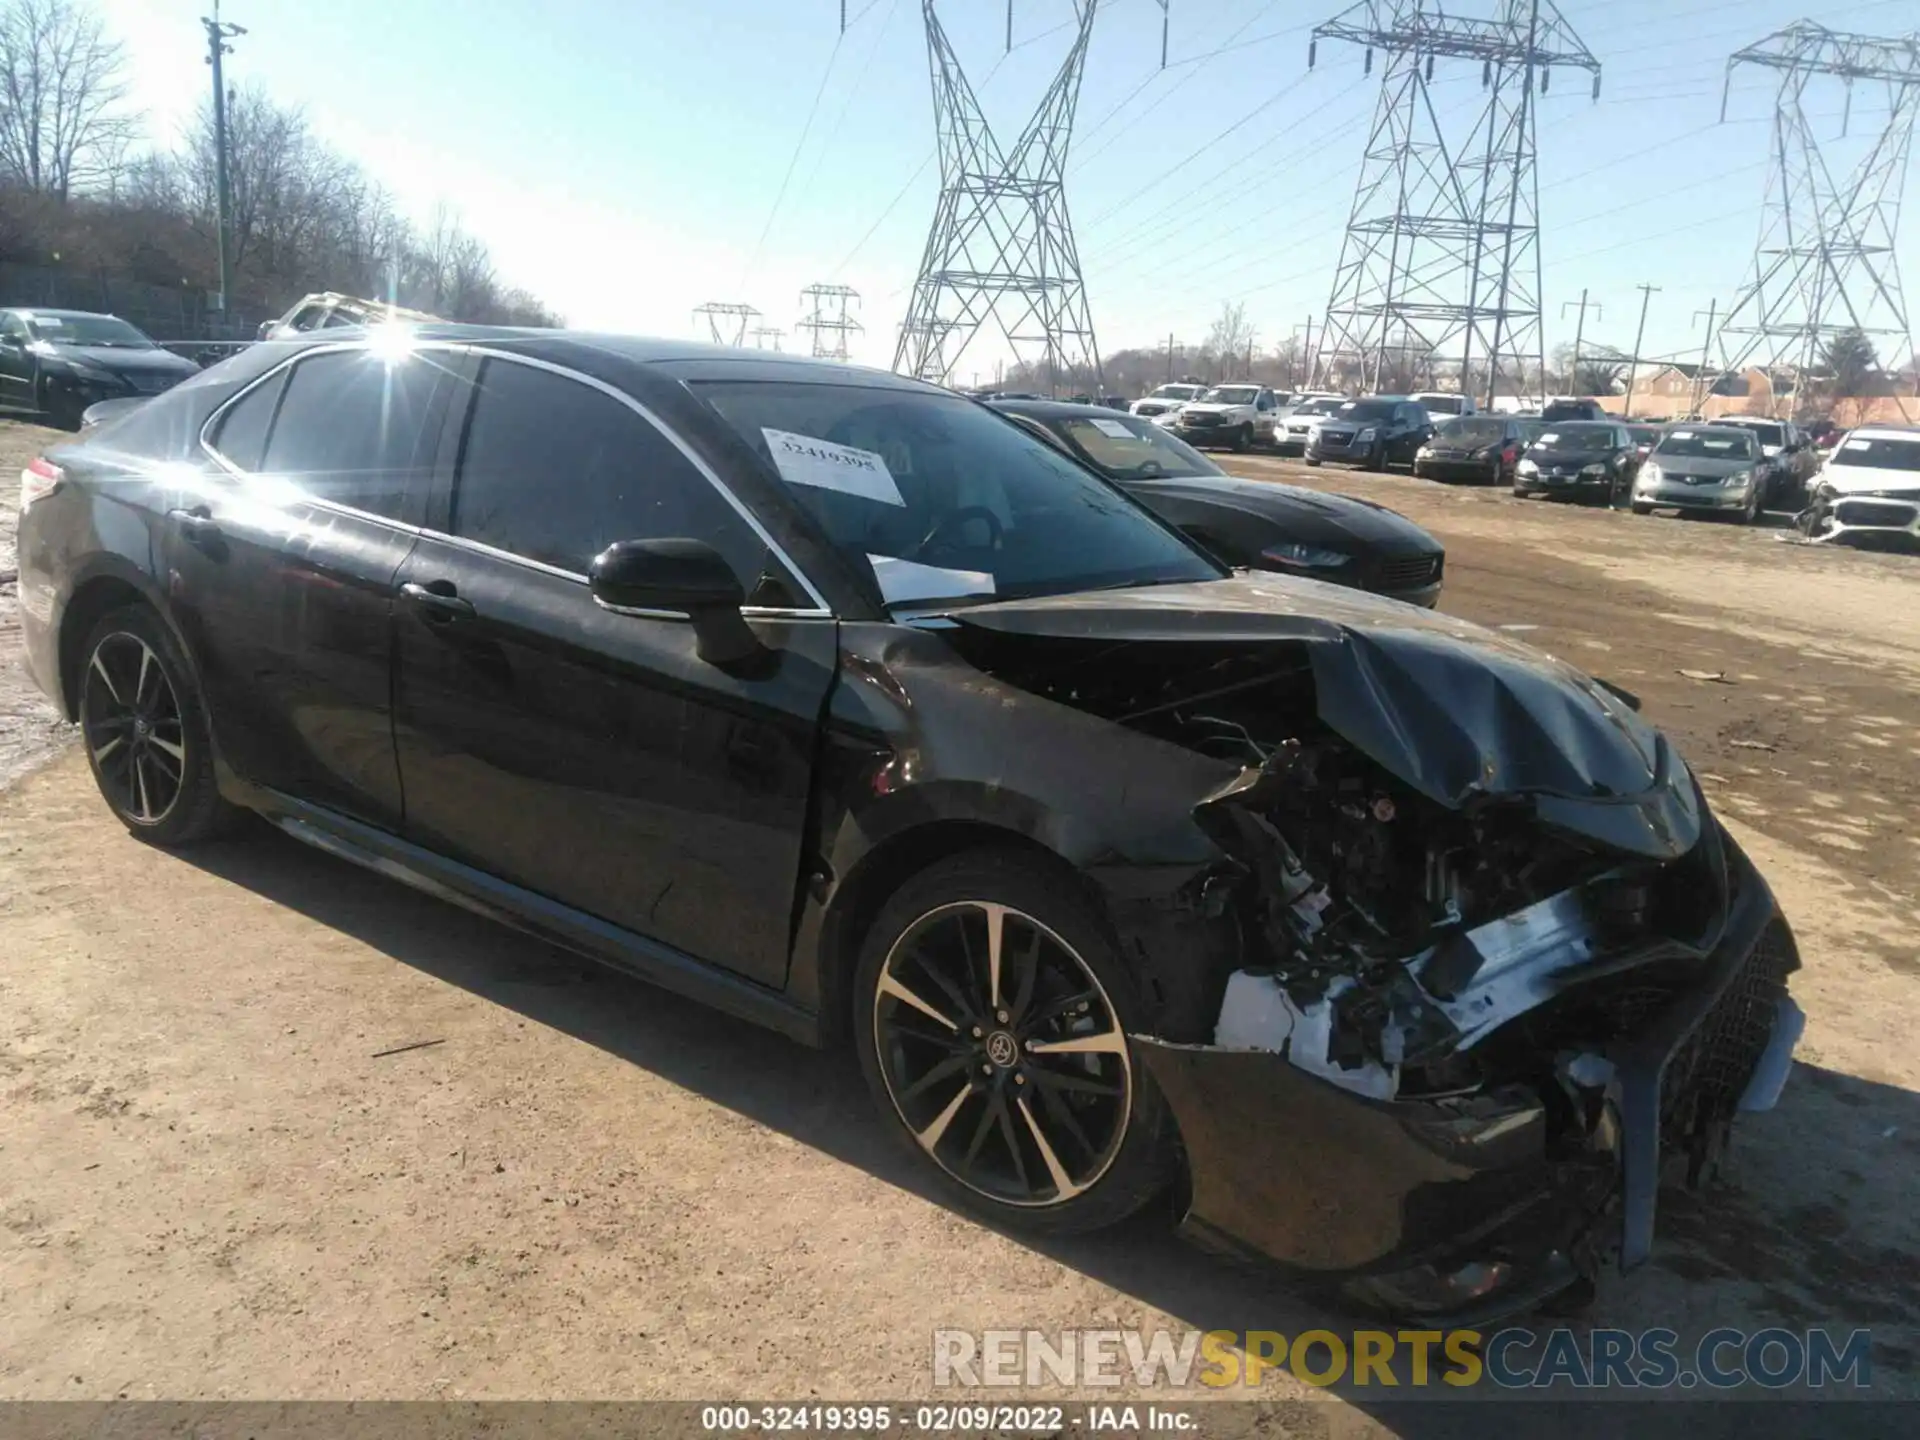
{"points": [[1401, 952], [58, 362], [1256, 523], [1580, 460], [1484, 449]]}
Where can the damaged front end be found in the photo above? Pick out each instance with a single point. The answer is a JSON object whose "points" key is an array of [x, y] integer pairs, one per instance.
{"points": [[1498, 968]]}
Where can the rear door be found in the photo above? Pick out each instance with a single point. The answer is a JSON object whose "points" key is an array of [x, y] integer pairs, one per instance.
{"points": [[591, 757], [281, 565]]}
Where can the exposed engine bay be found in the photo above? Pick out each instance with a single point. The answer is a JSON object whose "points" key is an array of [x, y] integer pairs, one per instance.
{"points": [[1383, 931]]}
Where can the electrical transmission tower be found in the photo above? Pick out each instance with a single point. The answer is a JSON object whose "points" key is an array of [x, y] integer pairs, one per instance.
{"points": [[1001, 247], [1825, 263], [727, 323], [1441, 262], [766, 337], [828, 319]]}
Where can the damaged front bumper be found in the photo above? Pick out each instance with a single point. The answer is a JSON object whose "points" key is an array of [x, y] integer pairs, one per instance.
{"points": [[1467, 1206]]}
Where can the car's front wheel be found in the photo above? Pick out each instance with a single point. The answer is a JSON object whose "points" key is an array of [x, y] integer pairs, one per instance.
{"points": [[146, 732], [992, 1016], [1243, 439]]}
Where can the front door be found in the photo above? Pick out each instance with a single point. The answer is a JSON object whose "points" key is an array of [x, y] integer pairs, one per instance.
{"points": [[592, 757], [281, 566], [16, 365]]}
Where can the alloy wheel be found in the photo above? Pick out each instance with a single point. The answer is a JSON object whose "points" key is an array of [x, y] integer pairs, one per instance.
{"points": [[1002, 1054], [130, 718]]}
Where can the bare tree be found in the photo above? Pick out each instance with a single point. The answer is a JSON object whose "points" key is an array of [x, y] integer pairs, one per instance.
{"points": [[62, 128], [1229, 339]]}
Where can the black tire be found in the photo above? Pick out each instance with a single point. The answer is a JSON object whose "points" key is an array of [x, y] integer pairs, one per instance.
{"points": [[1312, 463], [57, 408], [1243, 439], [1377, 457], [1122, 1145], [1755, 505], [163, 789], [1640, 509]]}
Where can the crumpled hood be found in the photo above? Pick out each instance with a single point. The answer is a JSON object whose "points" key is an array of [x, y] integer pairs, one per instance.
{"points": [[1454, 710], [1311, 517]]}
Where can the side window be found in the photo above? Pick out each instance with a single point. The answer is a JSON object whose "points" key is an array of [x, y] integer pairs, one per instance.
{"points": [[12, 328], [241, 437], [555, 470], [354, 428]]}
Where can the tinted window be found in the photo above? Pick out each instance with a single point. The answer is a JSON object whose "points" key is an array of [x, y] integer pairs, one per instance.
{"points": [[242, 434], [353, 428], [12, 327], [557, 471], [1365, 410], [937, 481]]}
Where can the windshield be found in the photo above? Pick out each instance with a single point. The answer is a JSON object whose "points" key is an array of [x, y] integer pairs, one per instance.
{"points": [[1532, 430], [1721, 444], [1232, 395], [1317, 407], [1884, 452], [1128, 448], [1176, 392], [1644, 434], [1442, 404], [944, 499], [1471, 431], [1769, 434], [1575, 437], [86, 330], [1366, 410]]}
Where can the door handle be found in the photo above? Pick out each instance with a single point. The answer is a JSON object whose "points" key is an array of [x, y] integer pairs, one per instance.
{"points": [[438, 599], [198, 528]]}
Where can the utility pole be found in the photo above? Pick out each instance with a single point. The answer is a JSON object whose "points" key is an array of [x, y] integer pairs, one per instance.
{"points": [[1001, 250], [1647, 292], [1169, 358], [218, 34], [1579, 329], [727, 322], [1442, 257], [1706, 342], [1825, 263], [828, 319]]}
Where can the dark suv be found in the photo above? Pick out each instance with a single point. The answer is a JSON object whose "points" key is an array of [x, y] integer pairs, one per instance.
{"points": [[1376, 432]]}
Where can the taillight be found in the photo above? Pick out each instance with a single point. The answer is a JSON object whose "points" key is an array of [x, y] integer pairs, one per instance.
{"points": [[39, 480]]}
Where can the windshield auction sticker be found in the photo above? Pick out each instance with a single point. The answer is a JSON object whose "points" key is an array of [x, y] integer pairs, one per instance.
{"points": [[803, 460]]}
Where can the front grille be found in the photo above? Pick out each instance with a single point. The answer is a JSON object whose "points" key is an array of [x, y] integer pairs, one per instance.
{"points": [[1873, 512], [1151, 410], [1407, 572], [1707, 1075], [1334, 441], [1199, 420]]}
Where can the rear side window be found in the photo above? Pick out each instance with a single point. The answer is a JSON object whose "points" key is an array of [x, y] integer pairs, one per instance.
{"points": [[354, 428], [242, 436], [557, 471]]}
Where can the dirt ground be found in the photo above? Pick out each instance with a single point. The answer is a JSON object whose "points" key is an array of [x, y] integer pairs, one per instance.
{"points": [[215, 1184]]}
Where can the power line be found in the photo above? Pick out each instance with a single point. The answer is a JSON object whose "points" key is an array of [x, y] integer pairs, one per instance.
{"points": [[793, 161]]}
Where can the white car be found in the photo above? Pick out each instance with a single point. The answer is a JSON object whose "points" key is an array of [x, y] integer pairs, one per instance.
{"points": [[1165, 400], [1870, 485], [1241, 416], [1293, 430]]}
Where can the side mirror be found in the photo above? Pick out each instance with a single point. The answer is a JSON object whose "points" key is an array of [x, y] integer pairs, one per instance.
{"points": [[666, 579]]}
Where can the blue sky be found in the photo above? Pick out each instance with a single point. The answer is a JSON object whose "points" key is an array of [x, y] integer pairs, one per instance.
{"points": [[622, 158]]}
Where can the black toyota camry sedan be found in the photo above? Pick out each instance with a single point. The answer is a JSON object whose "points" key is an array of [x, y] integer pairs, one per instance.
{"points": [[1255, 523], [846, 705]]}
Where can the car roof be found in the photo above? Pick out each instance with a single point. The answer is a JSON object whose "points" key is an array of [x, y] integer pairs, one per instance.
{"points": [[1053, 409], [682, 359], [1884, 432]]}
